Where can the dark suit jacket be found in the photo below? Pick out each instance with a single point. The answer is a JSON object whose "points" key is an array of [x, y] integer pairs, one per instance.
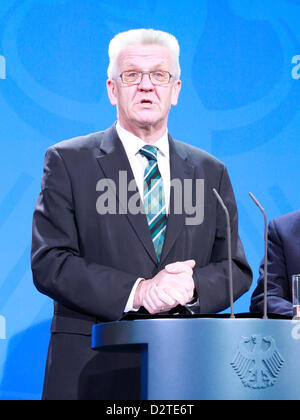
{"points": [[88, 263], [283, 262]]}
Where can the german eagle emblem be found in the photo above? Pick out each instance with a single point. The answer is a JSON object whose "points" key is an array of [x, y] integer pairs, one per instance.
{"points": [[257, 362]]}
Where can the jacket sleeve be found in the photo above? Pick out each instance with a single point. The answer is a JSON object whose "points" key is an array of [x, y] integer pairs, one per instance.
{"points": [[279, 295], [212, 281], [59, 269]]}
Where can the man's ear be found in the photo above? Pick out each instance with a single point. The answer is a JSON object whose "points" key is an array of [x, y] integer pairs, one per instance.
{"points": [[175, 92], [111, 91]]}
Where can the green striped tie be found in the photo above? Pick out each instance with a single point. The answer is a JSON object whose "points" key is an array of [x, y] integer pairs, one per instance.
{"points": [[154, 199]]}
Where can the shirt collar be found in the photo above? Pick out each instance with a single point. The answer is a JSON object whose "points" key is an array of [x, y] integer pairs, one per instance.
{"points": [[133, 144]]}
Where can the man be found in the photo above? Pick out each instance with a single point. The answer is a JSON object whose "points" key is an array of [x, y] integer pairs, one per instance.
{"points": [[99, 257], [283, 263]]}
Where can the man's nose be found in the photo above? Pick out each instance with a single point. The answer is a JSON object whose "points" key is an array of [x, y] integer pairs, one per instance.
{"points": [[145, 83]]}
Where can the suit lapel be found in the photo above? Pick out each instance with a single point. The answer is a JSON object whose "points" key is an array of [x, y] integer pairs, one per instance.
{"points": [[180, 170], [112, 160]]}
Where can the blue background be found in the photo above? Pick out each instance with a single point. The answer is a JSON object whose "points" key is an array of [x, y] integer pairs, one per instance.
{"points": [[239, 102]]}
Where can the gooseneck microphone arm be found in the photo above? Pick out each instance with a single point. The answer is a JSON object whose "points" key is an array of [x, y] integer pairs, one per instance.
{"points": [[266, 256], [229, 250]]}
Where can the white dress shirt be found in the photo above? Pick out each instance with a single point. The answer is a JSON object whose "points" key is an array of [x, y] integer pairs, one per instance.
{"points": [[132, 145]]}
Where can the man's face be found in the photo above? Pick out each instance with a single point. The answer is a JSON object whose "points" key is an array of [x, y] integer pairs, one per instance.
{"points": [[144, 105]]}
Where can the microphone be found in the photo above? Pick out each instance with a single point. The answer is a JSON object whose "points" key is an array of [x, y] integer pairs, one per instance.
{"points": [[266, 256], [229, 250]]}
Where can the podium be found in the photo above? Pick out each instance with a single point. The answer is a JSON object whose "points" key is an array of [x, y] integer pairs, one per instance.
{"points": [[211, 358]]}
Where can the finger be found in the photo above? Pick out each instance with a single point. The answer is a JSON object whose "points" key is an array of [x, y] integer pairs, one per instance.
{"points": [[167, 299], [179, 296], [149, 300], [185, 286], [183, 280], [190, 263], [151, 308], [153, 299], [147, 304], [178, 267], [158, 300]]}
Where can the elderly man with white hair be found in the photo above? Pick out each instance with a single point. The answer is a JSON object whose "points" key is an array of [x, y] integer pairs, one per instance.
{"points": [[127, 221]]}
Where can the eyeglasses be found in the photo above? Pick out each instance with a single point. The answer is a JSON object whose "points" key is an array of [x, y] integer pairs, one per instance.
{"points": [[134, 77]]}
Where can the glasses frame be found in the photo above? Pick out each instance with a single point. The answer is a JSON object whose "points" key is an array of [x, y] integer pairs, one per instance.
{"points": [[141, 73]]}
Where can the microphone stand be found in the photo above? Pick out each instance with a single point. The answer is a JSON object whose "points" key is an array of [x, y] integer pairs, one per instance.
{"points": [[266, 256], [229, 250]]}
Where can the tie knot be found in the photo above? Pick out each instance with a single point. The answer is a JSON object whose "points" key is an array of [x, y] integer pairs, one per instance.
{"points": [[150, 152]]}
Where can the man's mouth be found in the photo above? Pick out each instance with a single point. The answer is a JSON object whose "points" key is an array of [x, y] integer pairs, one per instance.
{"points": [[146, 102]]}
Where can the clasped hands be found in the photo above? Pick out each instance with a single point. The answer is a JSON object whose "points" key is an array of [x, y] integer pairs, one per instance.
{"points": [[172, 286]]}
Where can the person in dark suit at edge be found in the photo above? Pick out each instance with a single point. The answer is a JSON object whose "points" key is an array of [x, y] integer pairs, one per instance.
{"points": [[97, 256], [283, 263]]}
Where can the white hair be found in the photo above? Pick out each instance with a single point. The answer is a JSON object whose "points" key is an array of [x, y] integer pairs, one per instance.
{"points": [[146, 37]]}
